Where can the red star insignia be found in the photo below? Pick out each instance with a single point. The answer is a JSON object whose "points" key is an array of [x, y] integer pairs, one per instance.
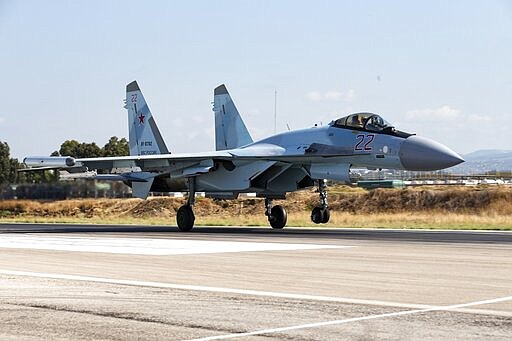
{"points": [[141, 118]]}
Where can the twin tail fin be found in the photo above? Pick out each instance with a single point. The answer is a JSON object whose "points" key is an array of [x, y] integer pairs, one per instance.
{"points": [[144, 136], [230, 129]]}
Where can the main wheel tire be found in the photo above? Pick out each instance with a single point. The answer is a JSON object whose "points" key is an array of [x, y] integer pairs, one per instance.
{"points": [[326, 215], [278, 217], [316, 215], [185, 218]]}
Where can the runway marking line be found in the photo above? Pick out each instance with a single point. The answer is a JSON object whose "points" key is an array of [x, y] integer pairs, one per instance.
{"points": [[158, 247], [248, 292], [354, 319]]}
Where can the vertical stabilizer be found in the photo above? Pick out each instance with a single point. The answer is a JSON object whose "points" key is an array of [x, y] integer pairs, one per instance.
{"points": [[144, 138], [230, 130]]}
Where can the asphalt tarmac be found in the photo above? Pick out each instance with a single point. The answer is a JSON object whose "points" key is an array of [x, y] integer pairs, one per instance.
{"points": [[152, 283]]}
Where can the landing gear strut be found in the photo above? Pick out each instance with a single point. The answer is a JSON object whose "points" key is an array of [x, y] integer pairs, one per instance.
{"points": [[277, 216], [321, 214], [185, 216]]}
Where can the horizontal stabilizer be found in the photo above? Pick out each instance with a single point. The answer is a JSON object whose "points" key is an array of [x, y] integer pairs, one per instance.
{"points": [[119, 177], [141, 182], [141, 189]]}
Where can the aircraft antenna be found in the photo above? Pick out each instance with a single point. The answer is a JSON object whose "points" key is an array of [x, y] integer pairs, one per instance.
{"points": [[275, 111]]}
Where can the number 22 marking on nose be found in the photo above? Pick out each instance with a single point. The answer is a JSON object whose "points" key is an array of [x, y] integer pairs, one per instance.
{"points": [[364, 141]]}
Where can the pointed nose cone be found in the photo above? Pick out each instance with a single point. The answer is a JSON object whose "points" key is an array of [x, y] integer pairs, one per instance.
{"points": [[421, 154]]}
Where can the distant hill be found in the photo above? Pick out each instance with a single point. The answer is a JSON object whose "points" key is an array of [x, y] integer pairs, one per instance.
{"points": [[485, 160]]}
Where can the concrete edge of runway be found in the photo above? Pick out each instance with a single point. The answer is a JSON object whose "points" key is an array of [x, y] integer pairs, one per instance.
{"points": [[382, 234], [305, 228]]}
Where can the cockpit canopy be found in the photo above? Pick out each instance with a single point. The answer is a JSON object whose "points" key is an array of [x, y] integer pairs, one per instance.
{"points": [[367, 121]]}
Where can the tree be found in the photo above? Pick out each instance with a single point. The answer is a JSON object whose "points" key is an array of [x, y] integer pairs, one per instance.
{"points": [[5, 163], [8, 165], [13, 170], [80, 150], [116, 147], [69, 148], [89, 150]]}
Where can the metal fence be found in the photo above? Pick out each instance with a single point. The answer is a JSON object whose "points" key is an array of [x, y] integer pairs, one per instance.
{"points": [[66, 190]]}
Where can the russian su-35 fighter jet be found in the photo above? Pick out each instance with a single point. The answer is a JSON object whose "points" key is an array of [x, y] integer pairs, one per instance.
{"points": [[270, 167]]}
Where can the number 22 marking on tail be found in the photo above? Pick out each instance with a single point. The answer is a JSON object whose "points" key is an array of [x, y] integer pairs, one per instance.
{"points": [[364, 142]]}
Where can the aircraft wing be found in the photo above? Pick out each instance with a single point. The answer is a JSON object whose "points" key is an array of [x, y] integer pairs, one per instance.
{"points": [[141, 170], [257, 152], [150, 160]]}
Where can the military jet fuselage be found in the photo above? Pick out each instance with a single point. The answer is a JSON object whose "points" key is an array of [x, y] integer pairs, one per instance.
{"points": [[271, 167]]}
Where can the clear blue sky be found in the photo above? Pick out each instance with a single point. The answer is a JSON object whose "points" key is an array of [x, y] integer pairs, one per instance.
{"points": [[441, 69]]}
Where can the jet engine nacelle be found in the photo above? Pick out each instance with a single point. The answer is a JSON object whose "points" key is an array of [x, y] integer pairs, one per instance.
{"points": [[330, 171], [49, 161]]}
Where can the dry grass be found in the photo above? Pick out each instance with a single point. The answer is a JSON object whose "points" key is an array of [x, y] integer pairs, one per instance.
{"points": [[435, 207]]}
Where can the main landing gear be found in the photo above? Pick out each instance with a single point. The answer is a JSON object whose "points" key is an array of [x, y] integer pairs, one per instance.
{"points": [[277, 216], [185, 216], [321, 214]]}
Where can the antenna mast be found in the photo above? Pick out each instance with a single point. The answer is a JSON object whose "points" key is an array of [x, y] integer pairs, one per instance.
{"points": [[275, 111]]}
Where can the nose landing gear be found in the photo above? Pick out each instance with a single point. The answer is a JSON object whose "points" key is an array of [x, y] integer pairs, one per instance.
{"points": [[321, 214]]}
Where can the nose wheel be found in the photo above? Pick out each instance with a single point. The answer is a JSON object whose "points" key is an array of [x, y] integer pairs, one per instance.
{"points": [[277, 215], [321, 214]]}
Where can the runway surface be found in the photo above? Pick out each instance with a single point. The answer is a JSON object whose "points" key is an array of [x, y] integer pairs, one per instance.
{"points": [[152, 283]]}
